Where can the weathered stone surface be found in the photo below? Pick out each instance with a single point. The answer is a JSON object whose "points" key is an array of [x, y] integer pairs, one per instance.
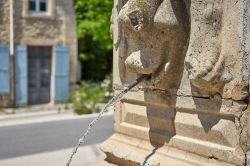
{"points": [[193, 109], [135, 152], [203, 37]]}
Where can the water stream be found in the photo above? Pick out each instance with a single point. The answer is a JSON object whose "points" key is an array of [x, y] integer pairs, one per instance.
{"points": [[114, 100]]}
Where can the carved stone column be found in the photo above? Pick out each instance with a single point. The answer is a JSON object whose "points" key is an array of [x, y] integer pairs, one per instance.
{"points": [[193, 110]]}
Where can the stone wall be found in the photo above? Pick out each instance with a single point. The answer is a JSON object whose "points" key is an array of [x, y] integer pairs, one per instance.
{"points": [[4, 28], [194, 108], [57, 29]]}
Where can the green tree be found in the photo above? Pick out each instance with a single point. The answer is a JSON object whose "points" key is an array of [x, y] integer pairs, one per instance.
{"points": [[94, 43]]}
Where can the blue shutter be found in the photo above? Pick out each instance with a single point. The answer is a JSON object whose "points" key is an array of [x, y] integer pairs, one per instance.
{"points": [[4, 70], [21, 86], [62, 54]]}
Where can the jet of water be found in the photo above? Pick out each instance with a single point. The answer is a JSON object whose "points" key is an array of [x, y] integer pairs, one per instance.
{"points": [[114, 100]]}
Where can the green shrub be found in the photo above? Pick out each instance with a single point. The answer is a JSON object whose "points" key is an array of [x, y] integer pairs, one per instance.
{"points": [[94, 42], [88, 94]]}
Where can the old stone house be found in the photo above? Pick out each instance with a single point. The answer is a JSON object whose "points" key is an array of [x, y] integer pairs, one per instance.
{"points": [[42, 36]]}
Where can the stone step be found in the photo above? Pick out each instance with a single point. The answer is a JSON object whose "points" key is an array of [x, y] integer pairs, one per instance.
{"points": [[129, 151], [101, 162]]}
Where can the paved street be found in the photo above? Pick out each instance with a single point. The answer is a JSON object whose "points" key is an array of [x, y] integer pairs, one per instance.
{"points": [[44, 142]]}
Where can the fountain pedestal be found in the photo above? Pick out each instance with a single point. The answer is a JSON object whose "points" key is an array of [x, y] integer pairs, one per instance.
{"points": [[195, 108]]}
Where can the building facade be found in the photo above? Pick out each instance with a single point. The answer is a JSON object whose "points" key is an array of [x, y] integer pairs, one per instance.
{"points": [[44, 65]]}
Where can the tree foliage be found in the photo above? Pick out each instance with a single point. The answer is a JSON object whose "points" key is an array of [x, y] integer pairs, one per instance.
{"points": [[94, 43]]}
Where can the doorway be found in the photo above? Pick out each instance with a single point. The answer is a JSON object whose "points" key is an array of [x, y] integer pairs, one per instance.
{"points": [[39, 74]]}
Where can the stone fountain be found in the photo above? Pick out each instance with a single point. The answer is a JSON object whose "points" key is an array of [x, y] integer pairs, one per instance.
{"points": [[194, 109]]}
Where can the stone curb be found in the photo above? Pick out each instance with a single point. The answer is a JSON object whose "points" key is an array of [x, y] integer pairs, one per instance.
{"points": [[28, 115], [35, 114]]}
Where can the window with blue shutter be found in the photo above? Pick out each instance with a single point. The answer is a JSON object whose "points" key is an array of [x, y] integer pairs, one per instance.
{"points": [[62, 54], [21, 86], [4, 70]]}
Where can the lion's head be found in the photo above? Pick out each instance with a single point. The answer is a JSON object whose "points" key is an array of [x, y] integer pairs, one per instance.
{"points": [[163, 38], [155, 44]]}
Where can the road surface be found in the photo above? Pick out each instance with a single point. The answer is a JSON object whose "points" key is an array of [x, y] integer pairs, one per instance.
{"points": [[22, 144]]}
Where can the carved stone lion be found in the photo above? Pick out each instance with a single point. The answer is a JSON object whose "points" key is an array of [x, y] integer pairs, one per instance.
{"points": [[164, 38]]}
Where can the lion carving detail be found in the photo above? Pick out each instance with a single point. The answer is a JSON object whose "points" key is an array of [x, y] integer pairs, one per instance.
{"points": [[162, 38]]}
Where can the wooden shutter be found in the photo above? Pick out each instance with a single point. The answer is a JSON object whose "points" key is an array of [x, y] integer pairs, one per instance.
{"points": [[62, 54], [4, 70], [21, 88]]}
